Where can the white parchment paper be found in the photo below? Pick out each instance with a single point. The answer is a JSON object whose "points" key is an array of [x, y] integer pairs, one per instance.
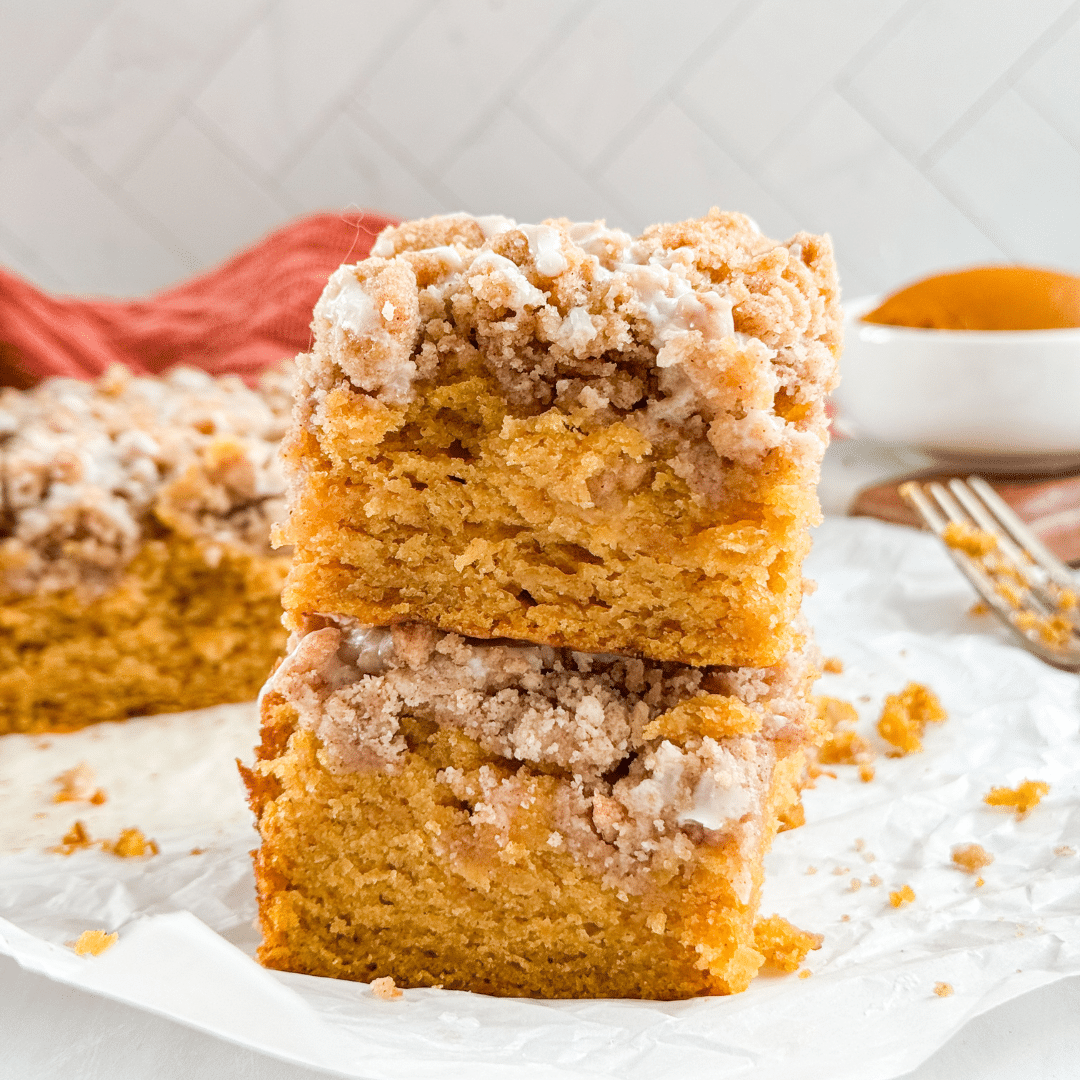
{"points": [[890, 605]]}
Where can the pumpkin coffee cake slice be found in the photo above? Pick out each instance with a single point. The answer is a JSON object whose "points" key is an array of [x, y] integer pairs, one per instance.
{"points": [[519, 819], [562, 434], [136, 574]]}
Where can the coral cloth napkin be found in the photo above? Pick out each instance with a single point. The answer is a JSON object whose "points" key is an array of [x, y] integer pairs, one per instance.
{"points": [[251, 311]]}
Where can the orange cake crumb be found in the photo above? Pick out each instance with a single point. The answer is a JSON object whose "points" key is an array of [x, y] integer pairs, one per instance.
{"points": [[971, 857], [875, 881], [980, 882], [905, 895], [130, 844], [905, 715], [943, 989], [782, 944], [385, 988], [93, 942], [75, 786], [1064, 849], [74, 839], [980, 607], [842, 745], [805, 973], [833, 665], [1023, 798], [972, 541]]}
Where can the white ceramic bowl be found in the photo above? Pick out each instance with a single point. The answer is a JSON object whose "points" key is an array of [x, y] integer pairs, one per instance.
{"points": [[1001, 400]]}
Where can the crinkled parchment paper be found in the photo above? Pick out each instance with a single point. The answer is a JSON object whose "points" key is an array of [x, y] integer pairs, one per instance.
{"points": [[890, 605]]}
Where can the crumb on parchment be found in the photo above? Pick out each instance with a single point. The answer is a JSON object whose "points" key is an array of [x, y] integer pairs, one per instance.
{"points": [[385, 988], [943, 989], [971, 857], [783, 945], [1065, 849], [833, 665], [131, 843], [1023, 798], [93, 942], [842, 745], [905, 715], [902, 896], [77, 785]]}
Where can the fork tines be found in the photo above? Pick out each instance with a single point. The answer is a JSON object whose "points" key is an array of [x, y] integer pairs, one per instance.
{"points": [[1012, 570]]}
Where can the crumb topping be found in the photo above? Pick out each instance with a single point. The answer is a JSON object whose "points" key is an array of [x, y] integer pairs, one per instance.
{"points": [[706, 336], [639, 776], [89, 470], [943, 989]]}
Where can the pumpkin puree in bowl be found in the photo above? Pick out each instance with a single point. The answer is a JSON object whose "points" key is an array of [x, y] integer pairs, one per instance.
{"points": [[986, 298]]}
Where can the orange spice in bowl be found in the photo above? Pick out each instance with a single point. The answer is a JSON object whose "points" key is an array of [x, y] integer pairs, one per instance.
{"points": [[985, 298]]}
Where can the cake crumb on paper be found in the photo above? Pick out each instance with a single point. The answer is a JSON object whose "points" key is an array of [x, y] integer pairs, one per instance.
{"points": [[943, 989], [805, 973], [855, 885], [783, 944], [93, 942], [75, 839], [811, 869], [833, 665], [385, 988], [1023, 798], [1064, 849], [902, 896], [904, 717], [77, 785], [875, 881], [971, 857], [842, 745], [130, 844]]}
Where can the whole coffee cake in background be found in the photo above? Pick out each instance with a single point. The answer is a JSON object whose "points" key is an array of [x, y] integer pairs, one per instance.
{"points": [[563, 434], [546, 700], [136, 574]]}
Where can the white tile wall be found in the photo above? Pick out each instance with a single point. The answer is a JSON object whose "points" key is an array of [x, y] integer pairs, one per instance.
{"points": [[142, 141]]}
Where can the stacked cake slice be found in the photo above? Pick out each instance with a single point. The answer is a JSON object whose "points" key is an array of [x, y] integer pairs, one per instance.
{"points": [[546, 697]]}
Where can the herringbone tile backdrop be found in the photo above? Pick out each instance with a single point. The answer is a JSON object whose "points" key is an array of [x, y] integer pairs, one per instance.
{"points": [[141, 140]]}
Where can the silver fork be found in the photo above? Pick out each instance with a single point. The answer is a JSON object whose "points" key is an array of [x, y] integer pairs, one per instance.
{"points": [[1032, 591]]}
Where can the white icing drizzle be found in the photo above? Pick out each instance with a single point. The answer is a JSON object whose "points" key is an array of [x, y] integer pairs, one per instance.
{"points": [[493, 224], [523, 293], [545, 246], [345, 304]]}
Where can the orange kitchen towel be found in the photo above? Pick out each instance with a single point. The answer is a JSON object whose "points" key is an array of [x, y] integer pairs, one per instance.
{"points": [[248, 312]]}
